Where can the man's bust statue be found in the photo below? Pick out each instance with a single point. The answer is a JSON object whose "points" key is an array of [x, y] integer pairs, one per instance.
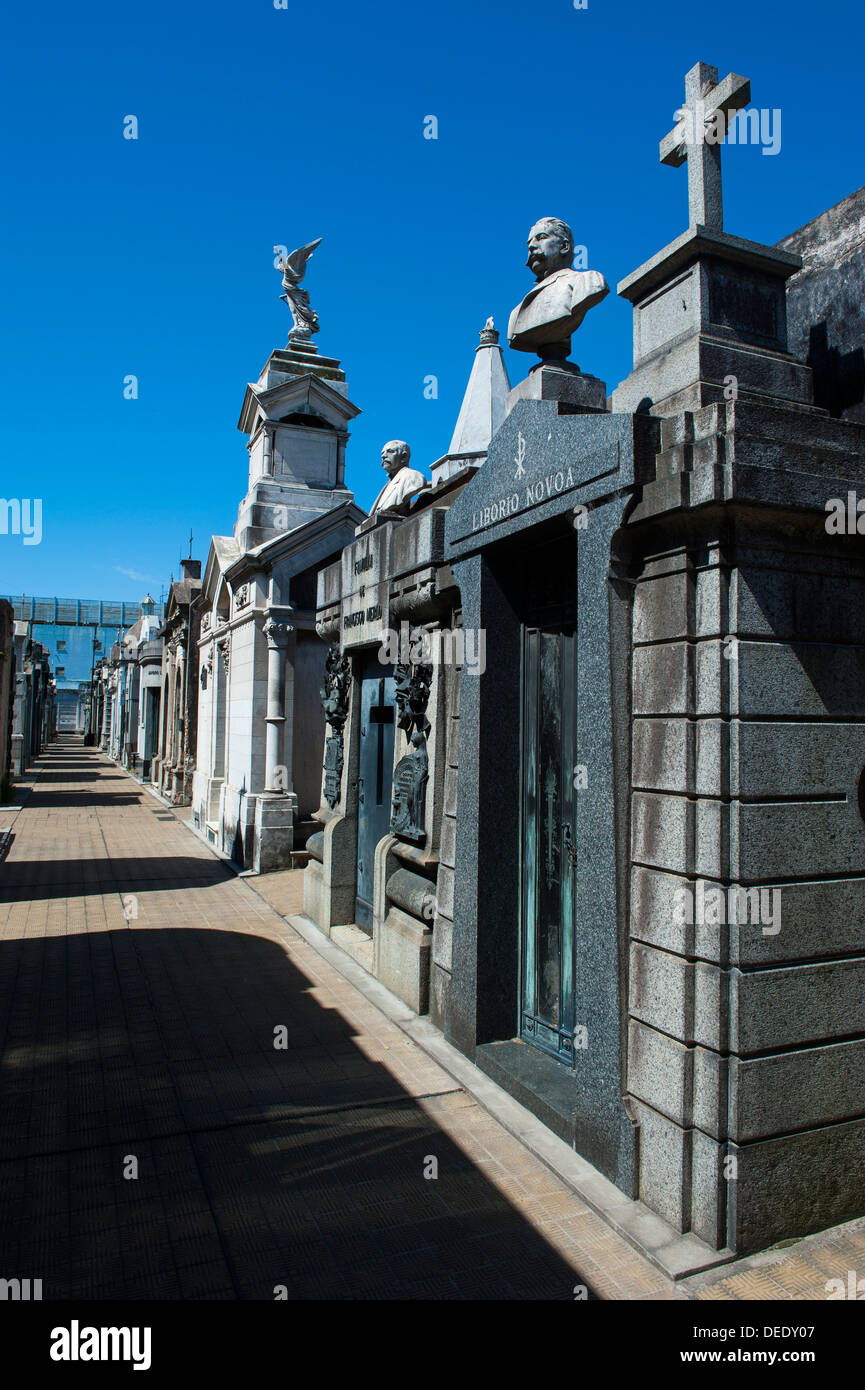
{"points": [[560, 300], [402, 481]]}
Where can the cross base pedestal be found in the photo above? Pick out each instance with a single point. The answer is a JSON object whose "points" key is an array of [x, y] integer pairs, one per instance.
{"points": [[709, 319]]}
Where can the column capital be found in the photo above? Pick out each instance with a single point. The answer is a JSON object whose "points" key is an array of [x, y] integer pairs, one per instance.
{"points": [[277, 633]]}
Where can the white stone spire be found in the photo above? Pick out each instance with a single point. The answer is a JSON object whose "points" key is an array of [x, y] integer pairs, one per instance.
{"points": [[483, 409]]}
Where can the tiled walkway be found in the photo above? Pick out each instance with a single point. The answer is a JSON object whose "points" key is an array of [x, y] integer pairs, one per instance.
{"points": [[156, 1143], [141, 989]]}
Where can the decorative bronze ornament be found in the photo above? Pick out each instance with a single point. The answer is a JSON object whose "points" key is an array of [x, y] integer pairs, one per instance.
{"points": [[412, 696], [334, 702]]}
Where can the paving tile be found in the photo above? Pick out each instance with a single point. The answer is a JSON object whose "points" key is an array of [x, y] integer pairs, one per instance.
{"points": [[257, 1167]]}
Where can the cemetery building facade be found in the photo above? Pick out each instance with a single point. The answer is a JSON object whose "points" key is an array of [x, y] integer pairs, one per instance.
{"points": [[172, 768], [260, 723], [380, 872], [149, 683], [120, 724], [7, 690], [34, 720], [120, 681], [621, 863]]}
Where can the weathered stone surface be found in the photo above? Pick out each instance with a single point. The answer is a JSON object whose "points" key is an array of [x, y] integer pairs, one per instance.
{"points": [[747, 1011], [680, 755], [751, 841], [411, 892], [750, 1099], [274, 832], [664, 1166], [676, 833], [402, 958], [661, 679], [825, 318], [442, 947], [796, 1090], [687, 1084], [824, 918], [575, 390], [793, 1185], [797, 839], [707, 308], [823, 603]]}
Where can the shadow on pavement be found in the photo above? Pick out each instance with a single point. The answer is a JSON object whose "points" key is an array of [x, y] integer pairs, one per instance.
{"points": [[257, 1167]]}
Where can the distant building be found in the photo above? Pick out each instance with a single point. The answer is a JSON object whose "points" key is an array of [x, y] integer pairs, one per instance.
{"points": [[76, 634]]}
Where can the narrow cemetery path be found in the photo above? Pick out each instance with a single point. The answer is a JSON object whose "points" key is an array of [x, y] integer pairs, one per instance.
{"points": [[146, 1041], [140, 986]]}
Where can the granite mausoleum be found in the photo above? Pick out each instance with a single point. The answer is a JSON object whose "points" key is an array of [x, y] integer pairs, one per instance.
{"points": [[378, 866], [620, 861]]}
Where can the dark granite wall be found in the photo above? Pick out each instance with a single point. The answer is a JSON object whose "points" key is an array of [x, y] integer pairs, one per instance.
{"points": [[826, 305]]}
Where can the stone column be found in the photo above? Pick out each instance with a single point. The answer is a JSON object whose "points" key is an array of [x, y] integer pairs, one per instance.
{"points": [[221, 691], [276, 807], [267, 452], [277, 634]]}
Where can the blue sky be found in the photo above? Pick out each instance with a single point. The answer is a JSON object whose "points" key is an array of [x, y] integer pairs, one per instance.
{"points": [[261, 126]]}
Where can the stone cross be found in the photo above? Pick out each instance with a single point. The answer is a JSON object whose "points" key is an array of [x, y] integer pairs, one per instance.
{"points": [[698, 135]]}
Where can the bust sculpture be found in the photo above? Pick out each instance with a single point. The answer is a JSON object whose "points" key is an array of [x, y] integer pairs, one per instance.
{"points": [[555, 308], [402, 480]]}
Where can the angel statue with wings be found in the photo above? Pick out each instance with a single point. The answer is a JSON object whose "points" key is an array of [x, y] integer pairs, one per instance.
{"points": [[293, 269]]}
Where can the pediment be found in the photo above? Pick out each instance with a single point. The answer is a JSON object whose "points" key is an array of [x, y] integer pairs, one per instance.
{"points": [[299, 394], [223, 552]]}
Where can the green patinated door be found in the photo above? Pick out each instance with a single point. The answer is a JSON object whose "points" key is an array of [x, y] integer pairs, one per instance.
{"points": [[548, 830]]}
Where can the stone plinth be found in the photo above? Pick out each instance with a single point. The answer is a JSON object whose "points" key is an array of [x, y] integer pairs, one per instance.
{"points": [[710, 324], [402, 958], [273, 840], [575, 391]]}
